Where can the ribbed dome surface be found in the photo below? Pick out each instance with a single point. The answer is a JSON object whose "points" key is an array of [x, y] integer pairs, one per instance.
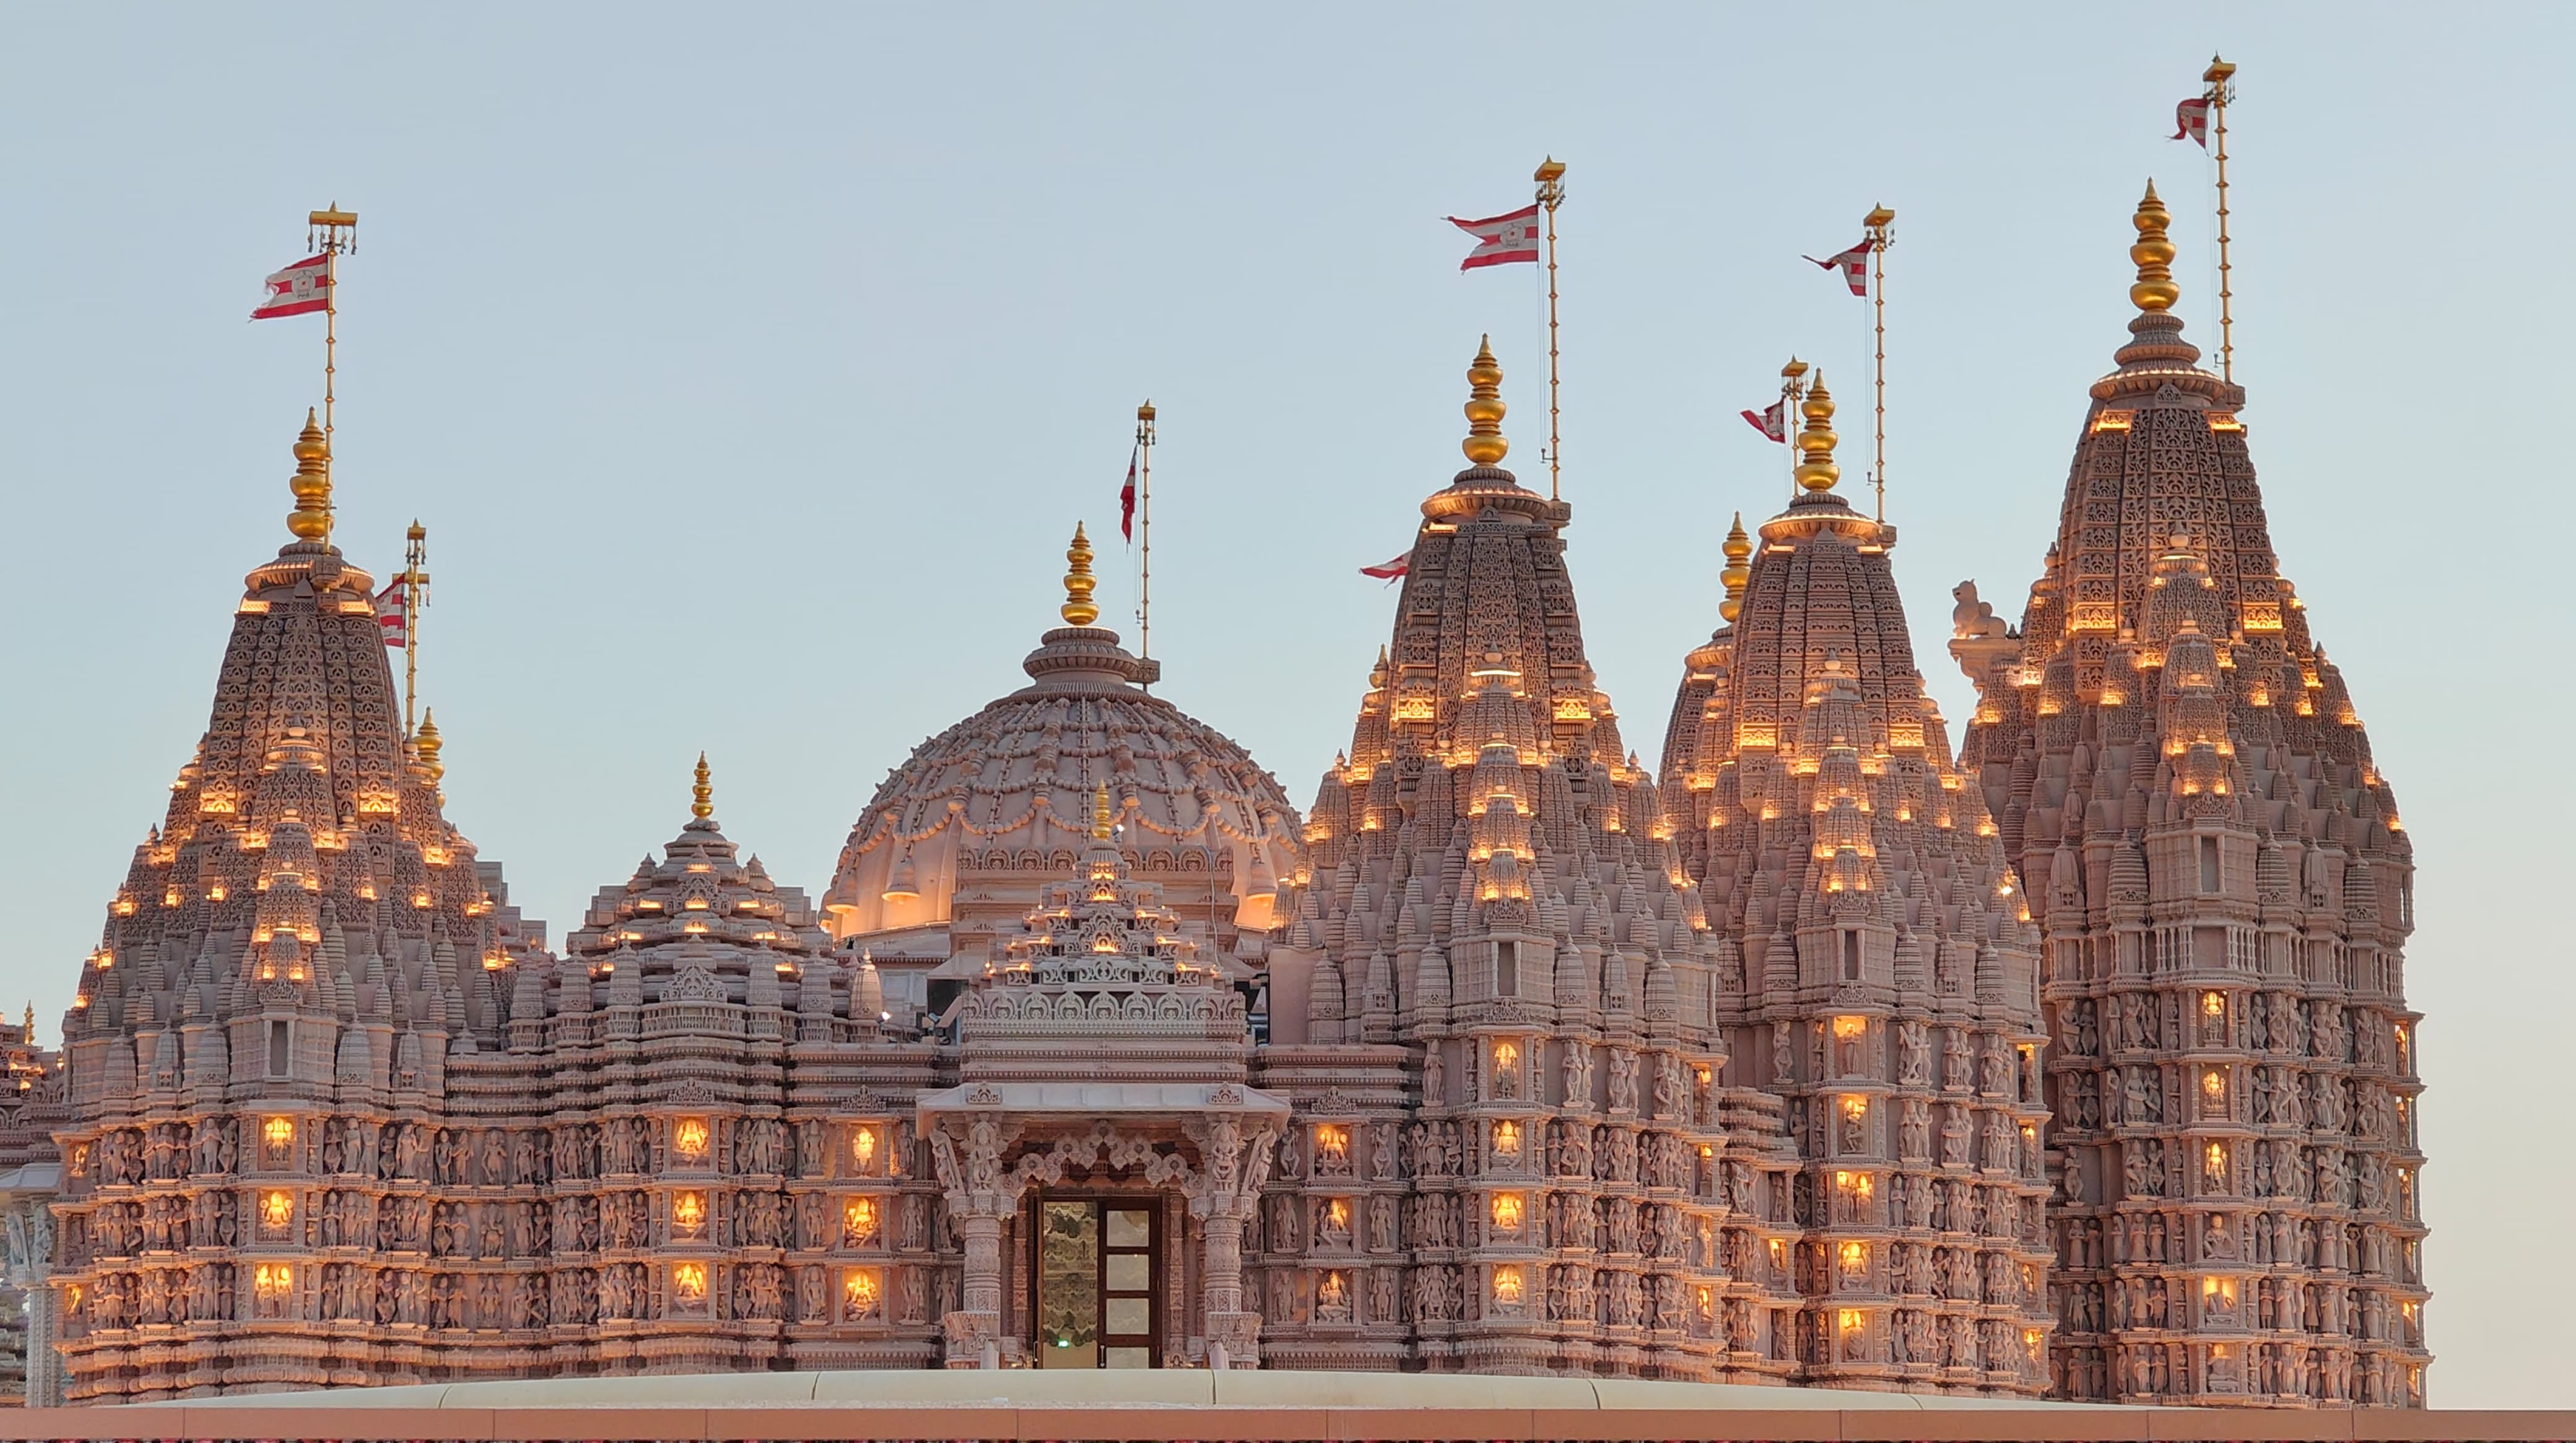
{"points": [[1007, 793]]}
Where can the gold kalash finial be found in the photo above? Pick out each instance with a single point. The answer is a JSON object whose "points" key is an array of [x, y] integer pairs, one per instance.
{"points": [[2155, 289], [1485, 444], [1816, 469], [311, 483], [702, 796], [425, 743], [1738, 546], [1079, 609], [1100, 813]]}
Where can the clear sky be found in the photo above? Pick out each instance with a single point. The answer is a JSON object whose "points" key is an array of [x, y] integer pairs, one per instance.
{"points": [[749, 367]]}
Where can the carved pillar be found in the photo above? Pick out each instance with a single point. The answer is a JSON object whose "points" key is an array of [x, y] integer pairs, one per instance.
{"points": [[968, 1155], [1228, 1186]]}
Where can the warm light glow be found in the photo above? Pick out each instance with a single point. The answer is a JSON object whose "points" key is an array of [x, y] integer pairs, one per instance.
{"points": [[1850, 1320], [689, 1211], [1855, 1257], [1855, 1108], [1332, 1146], [279, 1132], [1507, 1285], [1857, 1186], [1507, 1212], [215, 893], [1847, 1028], [1507, 1055], [272, 1280], [2213, 1004], [863, 1147], [859, 1292], [1338, 1212], [276, 1209], [1507, 1139], [859, 1220], [689, 1282], [2213, 1084], [689, 1137]]}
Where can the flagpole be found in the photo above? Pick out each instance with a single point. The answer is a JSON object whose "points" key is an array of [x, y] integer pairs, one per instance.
{"points": [[332, 231], [1145, 529], [1550, 176], [1793, 388], [1882, 234], [415, 596], [2220, 77]]}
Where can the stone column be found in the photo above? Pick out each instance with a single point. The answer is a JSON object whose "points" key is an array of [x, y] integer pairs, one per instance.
{"points": [[981, 1197], [1224, 1193]]}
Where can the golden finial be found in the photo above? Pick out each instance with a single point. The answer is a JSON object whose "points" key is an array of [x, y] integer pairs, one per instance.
{"points": [[1100, 813], [702, 796], [1816, 469], [2155, 289], [1485, 445], [426, 743], [311, 518], [1079, 609], [1738, 546]]}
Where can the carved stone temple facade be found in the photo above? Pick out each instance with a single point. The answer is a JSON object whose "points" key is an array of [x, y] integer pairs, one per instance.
{"points": [[2226, 891], [1506, 1057]]}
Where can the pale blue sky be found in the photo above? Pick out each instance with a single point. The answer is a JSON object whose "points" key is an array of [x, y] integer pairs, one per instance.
{"points": [[750, 365]]}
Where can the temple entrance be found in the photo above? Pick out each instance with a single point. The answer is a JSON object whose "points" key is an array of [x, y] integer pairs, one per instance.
{"points": [[1097, 1274]]}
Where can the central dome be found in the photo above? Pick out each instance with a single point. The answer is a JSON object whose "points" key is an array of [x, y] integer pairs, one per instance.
{"points": [[960, 841]]}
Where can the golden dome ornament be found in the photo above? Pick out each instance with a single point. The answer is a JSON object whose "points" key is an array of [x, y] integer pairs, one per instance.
{"points": [[311, 484], [1816, 471], [1485, 444], [2153, 254], [1079, 609]]}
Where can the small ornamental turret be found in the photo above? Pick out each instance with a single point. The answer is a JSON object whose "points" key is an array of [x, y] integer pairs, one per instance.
{"points": [[1079, 609], [311, 483], [1737, 547], [1485, 444], [426, 745]]}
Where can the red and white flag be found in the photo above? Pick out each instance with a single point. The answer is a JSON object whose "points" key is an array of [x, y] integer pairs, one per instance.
{"points": [[2191, 121], [389, 612], [1772, 420], [1391, 570], [1127, 501], [1501, 240], [298, 290], [1853, 263]]}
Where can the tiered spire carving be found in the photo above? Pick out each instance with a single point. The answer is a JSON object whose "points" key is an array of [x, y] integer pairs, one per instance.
{"points": [[1493, 905], [2226, 891], [1876, 969]]}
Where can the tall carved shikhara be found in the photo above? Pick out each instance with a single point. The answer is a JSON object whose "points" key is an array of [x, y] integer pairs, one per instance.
{"points": [[2226, 891], [1778, 1073]]}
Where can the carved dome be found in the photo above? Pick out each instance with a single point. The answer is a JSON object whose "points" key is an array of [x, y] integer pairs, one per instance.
{"points": [[993, 808]]}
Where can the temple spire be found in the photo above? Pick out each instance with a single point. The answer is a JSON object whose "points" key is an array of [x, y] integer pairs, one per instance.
{"points": [[1100, 813], [311, 518], [702, 795], [2155, 289], [1079, 609], [1485, 444]]}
